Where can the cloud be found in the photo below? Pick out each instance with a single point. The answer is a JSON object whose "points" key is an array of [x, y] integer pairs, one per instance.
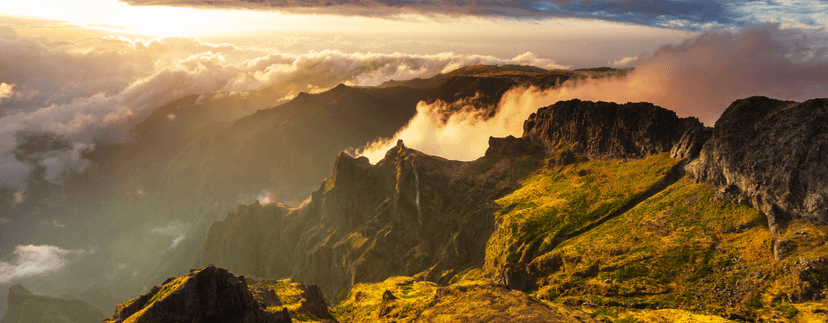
{"points": [[624, 62], [702, 76], [6, 91], [465, 135], [32, 261], [266, 198], [176, 230], [530, 58], [89, 93], [703, 15], [699, 78]]}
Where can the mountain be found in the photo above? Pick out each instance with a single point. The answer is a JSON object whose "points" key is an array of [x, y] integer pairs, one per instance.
{"points": [[207, 295], [147, 204], [26, 307], [588, 210]]}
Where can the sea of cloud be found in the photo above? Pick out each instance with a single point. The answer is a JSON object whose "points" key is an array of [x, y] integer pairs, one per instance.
{"points": [[91, 92]]}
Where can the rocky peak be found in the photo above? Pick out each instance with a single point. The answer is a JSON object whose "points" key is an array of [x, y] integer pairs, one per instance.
{"points": [[771, 155], [603, 130], [208, 295]]}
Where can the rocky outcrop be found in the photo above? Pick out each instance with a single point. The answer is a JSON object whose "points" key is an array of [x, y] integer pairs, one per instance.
{"points": [[603, 130], [511, 146], [315, 303], [771, 155], [208, 295], [27, 307], [410, 214], [691, 142]]}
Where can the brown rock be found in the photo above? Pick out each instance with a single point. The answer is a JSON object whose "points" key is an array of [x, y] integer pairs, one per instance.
{"points": [[603, 130], [771, 155], [315, 303], [208, 295]]}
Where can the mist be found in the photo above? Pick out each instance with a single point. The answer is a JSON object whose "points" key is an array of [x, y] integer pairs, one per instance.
{"points": [[67, 223], [702, 76], [92, 92], [698, 78]]}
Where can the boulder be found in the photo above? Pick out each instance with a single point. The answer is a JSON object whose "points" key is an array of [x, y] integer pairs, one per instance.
{"points": [[772, 155]]}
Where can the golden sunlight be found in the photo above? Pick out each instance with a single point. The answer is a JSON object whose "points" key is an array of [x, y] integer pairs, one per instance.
{"points": [[147, 20]]}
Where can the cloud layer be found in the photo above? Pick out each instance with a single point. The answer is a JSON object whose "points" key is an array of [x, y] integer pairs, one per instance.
{"points": [[698, 78], [678, 14], [702, 76], [92, 92]]}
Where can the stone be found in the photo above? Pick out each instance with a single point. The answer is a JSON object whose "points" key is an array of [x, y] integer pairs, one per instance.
{"points": [[603, 130], [771, 154]]}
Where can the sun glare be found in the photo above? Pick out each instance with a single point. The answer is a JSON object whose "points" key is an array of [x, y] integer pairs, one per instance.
{"points": [[148, 20]]}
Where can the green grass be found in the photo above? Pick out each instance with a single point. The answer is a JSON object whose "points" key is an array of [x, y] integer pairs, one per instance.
{"points": [[788, 311]]}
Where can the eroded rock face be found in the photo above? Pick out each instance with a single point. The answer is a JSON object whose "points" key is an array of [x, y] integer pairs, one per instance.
{"points": [[771, 155], [208, 295], [603, 130], [409, 214]]}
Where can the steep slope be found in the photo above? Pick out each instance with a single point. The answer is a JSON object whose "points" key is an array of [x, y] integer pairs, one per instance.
{"points": [[193, 160], [571, 213], [409, 214], [27, 307]]}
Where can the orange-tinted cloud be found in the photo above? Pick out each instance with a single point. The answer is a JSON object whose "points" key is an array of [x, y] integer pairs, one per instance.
{"points": [[699, 78], [92, 92], [702, 76]]}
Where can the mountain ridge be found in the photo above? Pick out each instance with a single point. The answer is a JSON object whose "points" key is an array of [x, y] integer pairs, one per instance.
{"points": [[527, 255]]}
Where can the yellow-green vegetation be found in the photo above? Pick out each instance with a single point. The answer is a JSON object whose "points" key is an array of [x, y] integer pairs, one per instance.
{"points": [[355, 240], [557, 201], [165, 290], [290, 294], [634, 239], [669, 251], [405, 299], [364, 300]]}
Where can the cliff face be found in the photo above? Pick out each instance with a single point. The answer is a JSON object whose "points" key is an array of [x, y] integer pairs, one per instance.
{"points": [[410, 214], [772, 155], [603, 130], [591, 205], [27, 307]]}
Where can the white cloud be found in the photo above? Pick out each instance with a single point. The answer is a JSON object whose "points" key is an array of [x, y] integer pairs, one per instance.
{"points": [[93, 91], [176, 230], [464, 136], [266, 198], [529, 58], [32, 261], [624, 62], [699, 78], [6, 90]]}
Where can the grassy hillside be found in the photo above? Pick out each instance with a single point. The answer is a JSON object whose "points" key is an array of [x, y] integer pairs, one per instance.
{"points": [[634, 237]]}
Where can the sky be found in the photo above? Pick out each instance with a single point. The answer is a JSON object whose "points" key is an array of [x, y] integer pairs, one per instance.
{"points": [[80, 74]]}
